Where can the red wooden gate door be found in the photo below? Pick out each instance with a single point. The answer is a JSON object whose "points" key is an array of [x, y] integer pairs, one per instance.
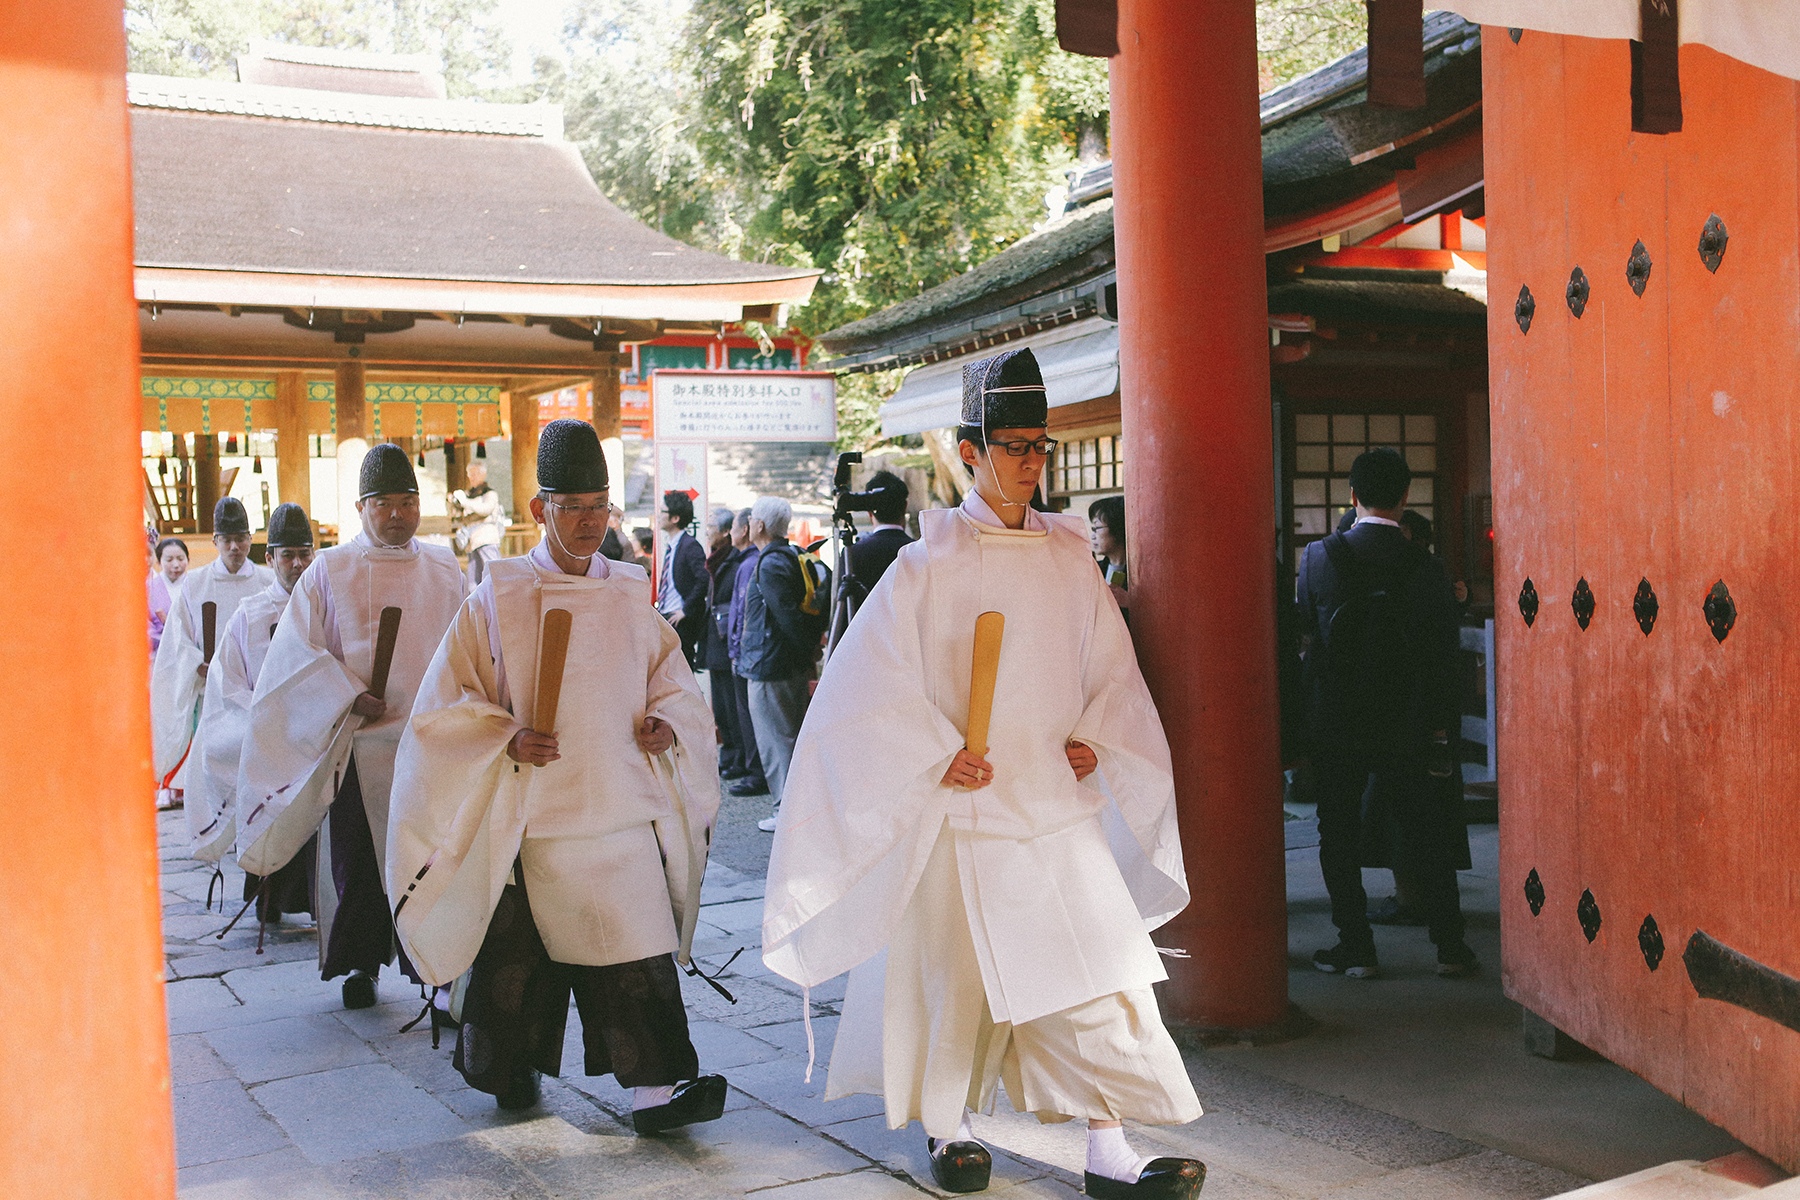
{"points": [[1644, 333]]}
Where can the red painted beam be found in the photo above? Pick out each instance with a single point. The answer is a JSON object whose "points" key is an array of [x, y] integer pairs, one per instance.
{"points": [[1194, 374], [1396, 257]]}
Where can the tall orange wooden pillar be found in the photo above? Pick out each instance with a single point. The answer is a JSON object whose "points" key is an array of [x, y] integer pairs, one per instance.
{"points": [[1646, 461], [84, 1069], [1194, 370]]}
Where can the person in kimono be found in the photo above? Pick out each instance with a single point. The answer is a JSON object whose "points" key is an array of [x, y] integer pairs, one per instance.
{"points": [[330, 702], [178, 676], [992, 910], [230, 686], [559, 854]]}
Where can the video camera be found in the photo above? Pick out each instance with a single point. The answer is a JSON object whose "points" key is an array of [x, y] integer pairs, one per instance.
{"points": [[846, 500]]}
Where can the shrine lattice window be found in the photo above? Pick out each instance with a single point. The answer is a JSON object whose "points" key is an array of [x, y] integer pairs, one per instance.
{"points": [[1326, 444], [1086, 465]]}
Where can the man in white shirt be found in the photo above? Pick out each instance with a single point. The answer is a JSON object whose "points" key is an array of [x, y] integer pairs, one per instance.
{"points": [[480, 518], [681, 583]]}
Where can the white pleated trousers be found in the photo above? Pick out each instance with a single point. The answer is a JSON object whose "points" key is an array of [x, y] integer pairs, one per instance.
{"points": [[917, 1030]]}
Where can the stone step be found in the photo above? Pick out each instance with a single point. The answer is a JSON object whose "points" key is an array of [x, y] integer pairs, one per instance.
{"points": [[1684, 1180]]}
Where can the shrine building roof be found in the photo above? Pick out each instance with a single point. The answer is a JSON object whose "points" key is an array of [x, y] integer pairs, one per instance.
{"points": [[263, 178]]}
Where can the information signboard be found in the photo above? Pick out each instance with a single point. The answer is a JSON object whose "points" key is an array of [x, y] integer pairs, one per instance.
{"points": [[745, 406]]}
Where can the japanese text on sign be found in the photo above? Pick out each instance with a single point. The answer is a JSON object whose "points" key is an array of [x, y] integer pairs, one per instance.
{"points": [[745, 406]]}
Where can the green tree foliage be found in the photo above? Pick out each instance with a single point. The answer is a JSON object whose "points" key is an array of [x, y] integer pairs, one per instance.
{"points": [[204, 37], [892, 145], [629, 102], [1297, 36]]}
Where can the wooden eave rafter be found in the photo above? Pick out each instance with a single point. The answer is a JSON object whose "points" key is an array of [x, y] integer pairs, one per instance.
{"points": [[673, 302]]}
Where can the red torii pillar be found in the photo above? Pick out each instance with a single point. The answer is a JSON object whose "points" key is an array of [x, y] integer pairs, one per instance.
{"points": [[84, 1065], [1194, 372]]}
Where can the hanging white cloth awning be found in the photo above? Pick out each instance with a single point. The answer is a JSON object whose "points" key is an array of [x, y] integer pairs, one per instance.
{"points": [[1763, 33], [1080, 361]]}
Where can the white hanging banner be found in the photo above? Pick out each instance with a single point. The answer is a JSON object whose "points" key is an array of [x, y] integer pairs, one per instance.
{"points": [[744, 406], [1763, 33]]}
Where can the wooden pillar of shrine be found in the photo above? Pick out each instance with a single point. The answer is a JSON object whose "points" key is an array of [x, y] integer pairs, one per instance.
{"points": [[1194, 373], [206, 478], [352, 442], [606, 424], [84, 1060], [523, 415], [293, 459]]}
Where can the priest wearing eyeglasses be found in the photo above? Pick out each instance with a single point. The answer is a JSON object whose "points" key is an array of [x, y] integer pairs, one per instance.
{"points": [[992, 909], [561, 853]]}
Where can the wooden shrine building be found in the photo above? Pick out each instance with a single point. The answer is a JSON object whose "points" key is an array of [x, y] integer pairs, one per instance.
{"points": [[1375, 250], [328, 252]]}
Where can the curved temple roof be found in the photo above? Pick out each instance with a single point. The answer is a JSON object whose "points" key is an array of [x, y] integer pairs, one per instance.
{"points": [[322, 183]]}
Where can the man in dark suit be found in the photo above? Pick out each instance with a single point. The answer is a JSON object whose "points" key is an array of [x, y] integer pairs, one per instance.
{"points": [[874, 553], [1381, 629], [682, 579]]}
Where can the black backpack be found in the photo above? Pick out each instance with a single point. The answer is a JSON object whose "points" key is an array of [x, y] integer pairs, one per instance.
{"points": [[1367, 685]]}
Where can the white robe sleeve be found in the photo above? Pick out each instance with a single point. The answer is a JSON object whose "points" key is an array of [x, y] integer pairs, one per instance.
{"points": [[175, 690], [299, 733], [456, 811], [1121, 724], [211, 806], [864, 797]]}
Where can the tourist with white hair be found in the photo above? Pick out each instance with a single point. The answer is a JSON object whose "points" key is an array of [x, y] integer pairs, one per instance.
{"points": [[780, 642]]}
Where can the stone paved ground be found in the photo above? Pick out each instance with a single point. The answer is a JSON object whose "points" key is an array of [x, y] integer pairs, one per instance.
{"points": [[280, 1093]]}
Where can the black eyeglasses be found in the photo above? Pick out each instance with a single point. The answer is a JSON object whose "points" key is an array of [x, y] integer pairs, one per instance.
{"points": [[1020, 449]]}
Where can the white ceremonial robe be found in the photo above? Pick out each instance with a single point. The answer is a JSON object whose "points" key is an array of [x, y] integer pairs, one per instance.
{"points": [[612, 844], [176, 689], [1061, 879], [302, 734], [230, 685]]}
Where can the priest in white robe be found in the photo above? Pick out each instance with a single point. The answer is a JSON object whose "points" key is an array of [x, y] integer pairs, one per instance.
{"points": [[178, 676], [993, 912], [230, 687], [559, 855], [326, 719]]}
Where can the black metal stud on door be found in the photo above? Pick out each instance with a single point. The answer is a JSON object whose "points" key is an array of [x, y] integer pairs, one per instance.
{"points": [[1583, 603], [1524, 309], [1637, 268], [1713, 238], [1644, 606], [1720, 610], [1650, 941], [1588, 913], [1577, 292], [1528, 603], [1534, 892]]}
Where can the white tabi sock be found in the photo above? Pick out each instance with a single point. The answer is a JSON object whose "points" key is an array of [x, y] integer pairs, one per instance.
{"points": [[651, 1097], [440, 999], [963, 1132], [1109, 1154]]}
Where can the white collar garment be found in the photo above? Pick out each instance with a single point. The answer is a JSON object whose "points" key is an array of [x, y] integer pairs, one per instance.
{"points": [[881, 525], [978, 511], [1376, 521], [540, 556]]}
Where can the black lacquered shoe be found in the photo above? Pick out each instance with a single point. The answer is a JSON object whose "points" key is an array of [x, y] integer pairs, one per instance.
{"points": [[1162, 1179], [522, 1092], [697, 1100], [960, 1166], [359, 990]]}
